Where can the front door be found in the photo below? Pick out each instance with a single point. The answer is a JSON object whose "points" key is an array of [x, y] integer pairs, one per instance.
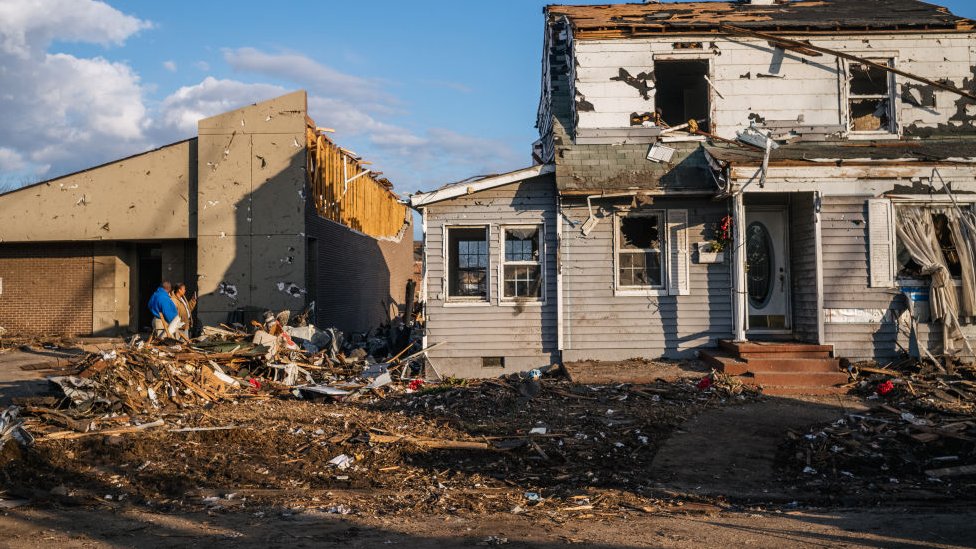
{"points": [[767, 269]]}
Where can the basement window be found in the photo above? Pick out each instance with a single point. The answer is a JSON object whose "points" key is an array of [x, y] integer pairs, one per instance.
{"points": [[870, 104], [682, 92], [467, 263], [640, 265], [522, 264]]}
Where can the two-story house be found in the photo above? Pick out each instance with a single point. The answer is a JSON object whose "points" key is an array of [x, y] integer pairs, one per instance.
{"points": [[747, 171]]}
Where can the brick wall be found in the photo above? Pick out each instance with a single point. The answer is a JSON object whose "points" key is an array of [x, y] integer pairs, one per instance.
{"points": [[357, 277], [47, 288]]}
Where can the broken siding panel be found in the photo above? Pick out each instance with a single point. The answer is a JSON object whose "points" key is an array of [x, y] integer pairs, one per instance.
{"points": [[810, 86], [526, 334], [601, 325]]}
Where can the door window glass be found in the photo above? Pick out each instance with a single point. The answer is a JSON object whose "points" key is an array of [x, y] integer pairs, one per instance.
{"points": [[760, 262]]}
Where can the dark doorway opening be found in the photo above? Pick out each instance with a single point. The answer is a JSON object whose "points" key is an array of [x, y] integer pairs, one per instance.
{"points": [[682, 92], [150, 273]]}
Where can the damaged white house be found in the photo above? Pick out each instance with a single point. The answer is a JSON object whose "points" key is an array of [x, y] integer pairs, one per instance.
{"points": [[729, 178]]}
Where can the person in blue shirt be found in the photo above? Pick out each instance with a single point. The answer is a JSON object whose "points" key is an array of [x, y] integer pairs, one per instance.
{"points": [[163, 309]]}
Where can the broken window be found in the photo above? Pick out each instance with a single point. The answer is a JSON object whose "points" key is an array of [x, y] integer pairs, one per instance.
{"points": [[522, 269], [908, 268], [682, 92], [639, 244], [468, 262], [870, 102]]}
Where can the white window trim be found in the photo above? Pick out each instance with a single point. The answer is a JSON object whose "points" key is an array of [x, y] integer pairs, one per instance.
{"points": [[463, 301], [515, 301], [845, 74], [627, 291]]}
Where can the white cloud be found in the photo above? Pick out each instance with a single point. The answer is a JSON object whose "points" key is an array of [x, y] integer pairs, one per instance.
{"points": [[59, 111], [11, 160], [170, 65], [202, 65], [298, 68], [27, 24], [180, 112]]}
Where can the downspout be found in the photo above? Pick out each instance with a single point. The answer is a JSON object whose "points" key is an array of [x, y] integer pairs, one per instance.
{"points": [[559, 277], [739, 267], [818, 240], [423, 273]]}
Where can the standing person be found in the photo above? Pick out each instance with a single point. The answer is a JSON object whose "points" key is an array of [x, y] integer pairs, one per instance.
{"points": [[184, 307], [163, 310]]}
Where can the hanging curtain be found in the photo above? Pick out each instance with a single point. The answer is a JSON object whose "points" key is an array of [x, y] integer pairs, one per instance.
{"points": [[917, 233], [964, 240]]}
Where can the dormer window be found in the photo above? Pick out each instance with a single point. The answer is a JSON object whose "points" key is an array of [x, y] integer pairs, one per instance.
{"points": [[870, 105]]}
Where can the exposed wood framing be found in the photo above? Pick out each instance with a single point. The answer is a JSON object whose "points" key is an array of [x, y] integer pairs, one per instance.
{"points": [[806, 47], [347, 193]]}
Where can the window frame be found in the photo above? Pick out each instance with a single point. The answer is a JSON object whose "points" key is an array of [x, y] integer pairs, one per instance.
{"points": [[912, 282], [662, 289], [706, 56], [514, 301], [895, 126], [465, 301]]}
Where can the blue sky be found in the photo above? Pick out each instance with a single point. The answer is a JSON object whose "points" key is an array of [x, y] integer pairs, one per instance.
{"points": [[429, 91]]}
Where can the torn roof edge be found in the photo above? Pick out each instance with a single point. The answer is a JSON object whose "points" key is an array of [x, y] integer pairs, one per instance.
{"points": [[468, 186]]}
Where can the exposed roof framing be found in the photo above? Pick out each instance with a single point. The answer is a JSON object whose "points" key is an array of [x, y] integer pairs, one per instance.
{"points": [[802, 16], [857, 153]]}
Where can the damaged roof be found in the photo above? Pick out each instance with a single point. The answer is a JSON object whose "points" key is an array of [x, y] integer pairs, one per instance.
{"points": [[479, 183], [599, 169], [628, 20], [961, 151]]}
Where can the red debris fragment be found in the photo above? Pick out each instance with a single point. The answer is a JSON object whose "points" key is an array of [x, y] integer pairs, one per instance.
{"points": [[254, 383], [885, 387], [415, 384], [705, 383]]}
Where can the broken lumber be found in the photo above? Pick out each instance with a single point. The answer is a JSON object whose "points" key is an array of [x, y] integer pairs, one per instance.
{"points": [[952, 471], [69, 435]]}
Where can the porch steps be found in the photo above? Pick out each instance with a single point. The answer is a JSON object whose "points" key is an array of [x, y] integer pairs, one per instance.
{"points": [[781, 369]]}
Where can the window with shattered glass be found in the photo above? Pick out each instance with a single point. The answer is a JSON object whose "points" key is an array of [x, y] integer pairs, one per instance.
{"points": [[869, 91], [468, 263], [639, 244], [522, 269]]}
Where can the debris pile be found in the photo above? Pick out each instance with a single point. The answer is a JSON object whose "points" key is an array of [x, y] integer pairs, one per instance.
{"points": [[144, 380], [520, 444], [919, 437]]}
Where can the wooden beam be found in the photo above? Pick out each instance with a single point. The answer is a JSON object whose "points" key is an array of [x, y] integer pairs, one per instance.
{"points": [[797, 46]]}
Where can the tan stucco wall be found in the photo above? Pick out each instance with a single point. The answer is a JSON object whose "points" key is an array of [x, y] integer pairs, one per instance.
{"points": [[147, 196], [251, 208]]}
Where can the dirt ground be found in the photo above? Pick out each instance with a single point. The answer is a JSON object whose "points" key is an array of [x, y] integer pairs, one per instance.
{"points": [[663, 463], [112, 527]]}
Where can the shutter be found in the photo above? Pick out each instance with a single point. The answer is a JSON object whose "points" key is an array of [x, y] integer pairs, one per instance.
{"points": [[881, 240], [678, 260]]}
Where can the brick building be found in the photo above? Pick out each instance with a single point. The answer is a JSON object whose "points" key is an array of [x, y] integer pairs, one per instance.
{"points": [[260, 211]]}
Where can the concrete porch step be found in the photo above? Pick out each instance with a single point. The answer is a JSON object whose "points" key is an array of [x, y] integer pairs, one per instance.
{"points": [[760, 349], [787, 391], [799, 379], [731, 365]]}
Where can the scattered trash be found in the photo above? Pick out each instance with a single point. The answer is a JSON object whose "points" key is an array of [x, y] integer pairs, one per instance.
{"points": [[926, 421], [342, 461]]}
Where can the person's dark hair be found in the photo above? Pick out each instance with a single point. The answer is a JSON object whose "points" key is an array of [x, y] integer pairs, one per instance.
{"points": [[179, 286], [166, 285]]}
